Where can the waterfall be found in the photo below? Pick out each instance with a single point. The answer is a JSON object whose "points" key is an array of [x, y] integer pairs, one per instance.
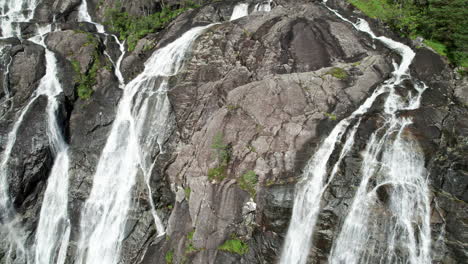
{"points": [[263, 7], [53, 230], [3, 53], [138, 122], [400, 172], [240, 10], [12, 13], [10, 225]]}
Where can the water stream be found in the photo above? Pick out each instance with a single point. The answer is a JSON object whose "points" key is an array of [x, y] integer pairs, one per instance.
{"points": [[240, 10], [364, 238], [144, 105], [53, 230]]}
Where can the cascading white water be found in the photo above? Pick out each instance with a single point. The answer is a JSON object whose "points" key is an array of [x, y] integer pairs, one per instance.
{"points": [[405, 176], [53, 230], [263, 7], [395, 227], [240, 10], [104, 215], [7, 63], [13, 12], [10, 227]]}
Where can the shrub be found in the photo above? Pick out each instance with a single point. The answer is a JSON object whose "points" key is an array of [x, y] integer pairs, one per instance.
{"points": [[248, 181], [133, 28], [442, 22], [217, 173], [86, 80], [234, 246], [169, 257]]}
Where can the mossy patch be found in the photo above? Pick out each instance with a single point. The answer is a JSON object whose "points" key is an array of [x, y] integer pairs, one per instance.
{"points": [[338, 73], [187, 192], [236, 246]]}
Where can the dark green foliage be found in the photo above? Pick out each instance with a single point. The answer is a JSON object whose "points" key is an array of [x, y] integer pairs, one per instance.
{"points": [[442, 23], [235, 246], [248, 181], [87, 80], [133, 28]]}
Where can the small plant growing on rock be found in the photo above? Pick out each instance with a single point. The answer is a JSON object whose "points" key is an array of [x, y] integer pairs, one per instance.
{"points": [[217, 173], [331, 116], [235, 245], [338, 73], [187, 192], [223, 155], [169, 257], [87, 80], [190, 247], [248, 181]]}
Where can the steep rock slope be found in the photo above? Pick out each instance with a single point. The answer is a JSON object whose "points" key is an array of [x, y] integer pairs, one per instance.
{"points": [[254, 99]]}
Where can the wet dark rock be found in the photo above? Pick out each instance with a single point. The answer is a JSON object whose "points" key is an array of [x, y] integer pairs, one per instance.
{"points": [[29, 58]]}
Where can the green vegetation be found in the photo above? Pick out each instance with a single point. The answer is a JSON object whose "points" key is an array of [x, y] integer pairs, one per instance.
{"points": [[437, 47], [442, 23], [187, 192], [133, 28], [232, 107], [190, 248], [217, 173], [331, 116], [234, 246], [86, 80], [248, 181], [169, 257], [223, 154], [338, 73]]}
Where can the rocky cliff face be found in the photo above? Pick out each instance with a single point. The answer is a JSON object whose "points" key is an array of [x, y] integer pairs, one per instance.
{"points": [[256, 96]]}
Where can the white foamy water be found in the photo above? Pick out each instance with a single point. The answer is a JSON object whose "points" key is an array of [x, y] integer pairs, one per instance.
{"points": [[351, 245], [13, 12], [263, 7], [53, 230], [104, 215], [240, 10]]}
